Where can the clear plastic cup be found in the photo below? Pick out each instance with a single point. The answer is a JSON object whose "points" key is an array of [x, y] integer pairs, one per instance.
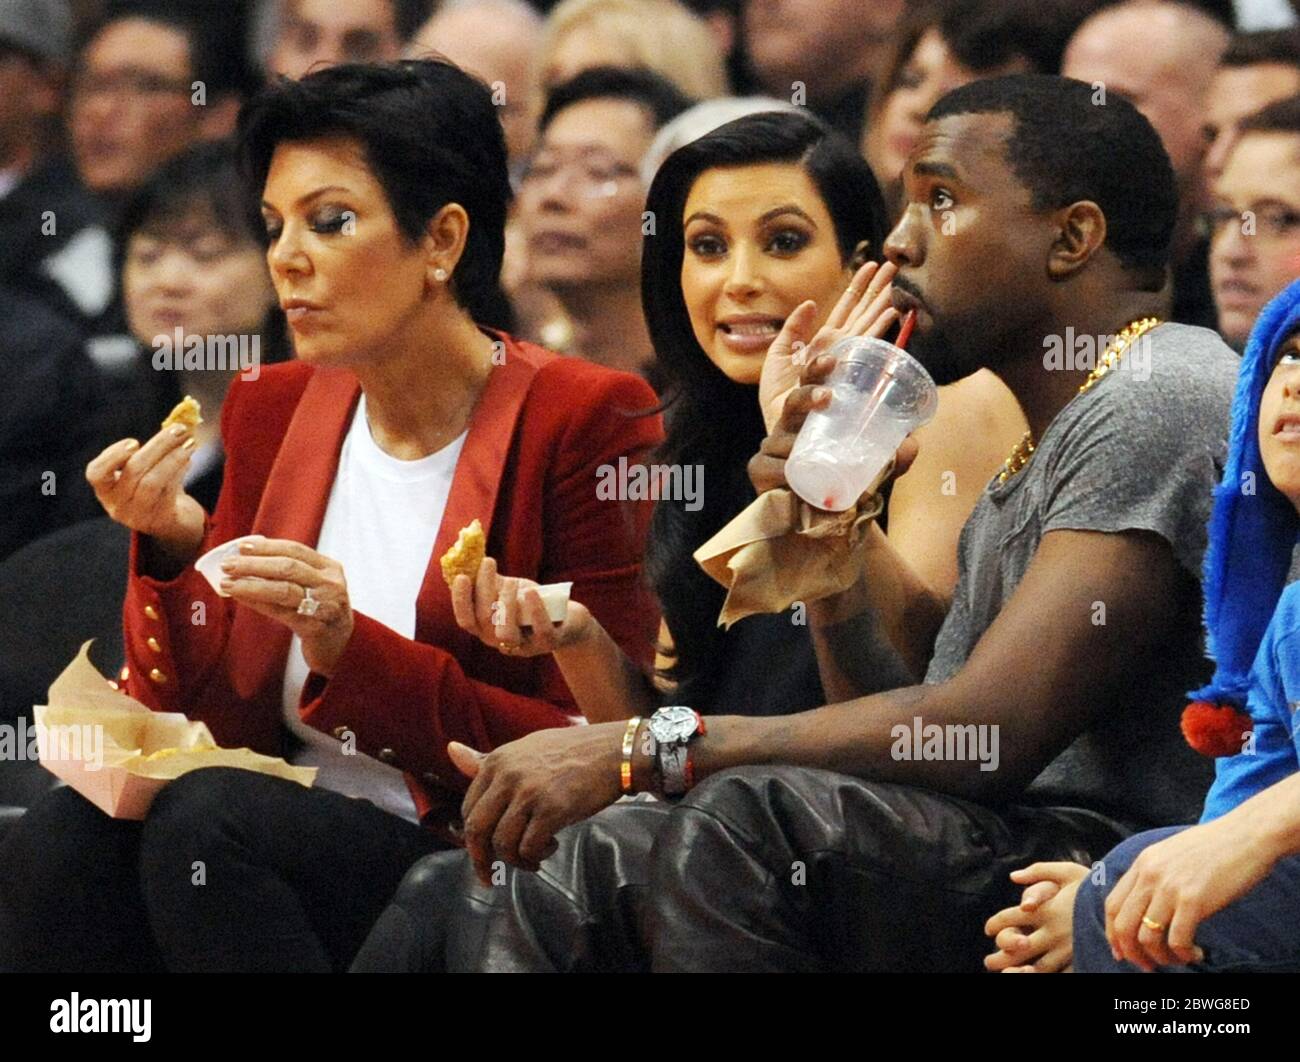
{"points": [[879, 395]]}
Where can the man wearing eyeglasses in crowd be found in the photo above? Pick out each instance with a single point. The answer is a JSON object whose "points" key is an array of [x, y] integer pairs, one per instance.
{"points": [[1254, 225], [580, 202], [146, 86]]}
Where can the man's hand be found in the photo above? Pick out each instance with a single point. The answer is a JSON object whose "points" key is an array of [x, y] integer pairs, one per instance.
{"points": [[523, 793]]}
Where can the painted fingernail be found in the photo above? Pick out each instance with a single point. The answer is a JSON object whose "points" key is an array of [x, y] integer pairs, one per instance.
{"points": [[178, 430]]}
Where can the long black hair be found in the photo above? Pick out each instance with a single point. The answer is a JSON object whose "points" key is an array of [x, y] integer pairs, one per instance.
{"points": [[712, 421]]}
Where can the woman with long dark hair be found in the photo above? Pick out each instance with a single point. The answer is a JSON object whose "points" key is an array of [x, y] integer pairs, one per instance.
{"points": [[750, 221]]}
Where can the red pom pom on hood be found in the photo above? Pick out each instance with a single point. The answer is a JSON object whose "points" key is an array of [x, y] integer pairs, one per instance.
{"points": [[1215, 729]]}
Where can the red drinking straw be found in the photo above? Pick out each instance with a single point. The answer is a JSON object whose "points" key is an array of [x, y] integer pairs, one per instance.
{"points": [[905, 332]]}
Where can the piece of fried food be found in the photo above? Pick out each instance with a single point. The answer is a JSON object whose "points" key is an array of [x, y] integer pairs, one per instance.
{"points": [[466, 555], [187, 412]]}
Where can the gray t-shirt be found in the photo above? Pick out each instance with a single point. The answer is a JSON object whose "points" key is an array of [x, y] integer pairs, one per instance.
{"points": [[1137, 451]]}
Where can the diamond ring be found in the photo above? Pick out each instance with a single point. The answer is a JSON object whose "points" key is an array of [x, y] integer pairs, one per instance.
{"points": [[308, 605]]}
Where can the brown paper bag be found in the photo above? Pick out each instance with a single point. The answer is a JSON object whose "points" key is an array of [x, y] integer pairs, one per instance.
{"points": [[780, 550], [118, 754]]}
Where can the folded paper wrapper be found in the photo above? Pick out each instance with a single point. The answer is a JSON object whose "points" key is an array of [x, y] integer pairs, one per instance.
{"points": [[779, 550], [142, 750]]}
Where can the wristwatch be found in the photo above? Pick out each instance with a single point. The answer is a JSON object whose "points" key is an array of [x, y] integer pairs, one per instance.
{"points": [[673, 728]]}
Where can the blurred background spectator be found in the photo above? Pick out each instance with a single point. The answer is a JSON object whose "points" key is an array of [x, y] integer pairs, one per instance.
{"points": [[193, 259], [833, 49], [1256, 70], [305, 33], [1162, 57], [494, 40], [580, 208], [583, 33], [943, 44], [1254, 224], [53, 244]]}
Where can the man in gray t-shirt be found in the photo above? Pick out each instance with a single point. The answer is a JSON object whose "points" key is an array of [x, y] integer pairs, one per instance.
{"points": [[1140, 451]]}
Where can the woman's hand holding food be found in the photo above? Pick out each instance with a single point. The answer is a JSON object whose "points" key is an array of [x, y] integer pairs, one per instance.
{"points": [[297, 586], [496, 609], [142, 487]]}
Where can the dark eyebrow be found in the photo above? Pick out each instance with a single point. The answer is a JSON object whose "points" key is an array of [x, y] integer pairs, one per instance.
{"points": [[922, 168], [789, 208], [704, 215], [775, 212], [310, 195]]}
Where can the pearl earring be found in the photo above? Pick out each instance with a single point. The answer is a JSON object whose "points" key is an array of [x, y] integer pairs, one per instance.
{"points": [[440, 274]]}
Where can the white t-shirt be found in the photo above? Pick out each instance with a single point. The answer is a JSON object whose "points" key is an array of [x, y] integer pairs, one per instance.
{"points": [[380, 524]]}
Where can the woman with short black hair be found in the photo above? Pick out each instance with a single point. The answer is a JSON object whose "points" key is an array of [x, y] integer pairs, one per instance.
{"points": [[331, 640]]}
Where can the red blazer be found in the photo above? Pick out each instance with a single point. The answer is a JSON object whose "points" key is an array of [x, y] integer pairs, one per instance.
{"points": [[541, 429]]}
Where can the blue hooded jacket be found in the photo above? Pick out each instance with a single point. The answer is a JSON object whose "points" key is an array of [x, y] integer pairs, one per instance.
{"points": [[1252, 623]]}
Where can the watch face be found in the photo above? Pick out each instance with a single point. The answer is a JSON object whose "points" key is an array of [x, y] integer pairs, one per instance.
{"points": [[675, 723]]}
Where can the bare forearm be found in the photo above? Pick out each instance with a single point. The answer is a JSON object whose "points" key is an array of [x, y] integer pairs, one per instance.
{"points": [[872, 738], [879, 633], [855, 658], [604, 680], [1272, 818]]}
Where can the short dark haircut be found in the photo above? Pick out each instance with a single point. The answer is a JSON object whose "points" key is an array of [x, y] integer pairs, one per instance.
{"points": [[987, 34], [714, 421], [1266, 46], [204, 179], [655, 94], [1281, 116], [1065, 148], [217, 60], [431, 135]]}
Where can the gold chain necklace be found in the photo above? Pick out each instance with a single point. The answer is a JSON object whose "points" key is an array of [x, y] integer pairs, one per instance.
{"points": [[1131, 332]]}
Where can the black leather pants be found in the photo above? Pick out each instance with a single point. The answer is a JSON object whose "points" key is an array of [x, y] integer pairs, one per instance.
{"points": [[759, 868]]}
